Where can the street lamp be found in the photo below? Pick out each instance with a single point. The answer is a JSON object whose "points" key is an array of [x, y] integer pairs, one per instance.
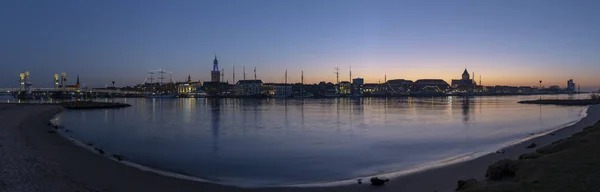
{"points": [[540, 89]]}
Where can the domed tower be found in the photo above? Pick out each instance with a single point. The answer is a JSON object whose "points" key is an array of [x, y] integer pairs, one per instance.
{"points": [[465, 75]]}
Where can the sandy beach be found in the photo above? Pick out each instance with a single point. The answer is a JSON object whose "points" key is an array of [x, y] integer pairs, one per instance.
{"points": [[35, 160]]}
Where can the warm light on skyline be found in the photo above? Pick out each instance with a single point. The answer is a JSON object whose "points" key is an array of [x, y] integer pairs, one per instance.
{"points": [[507, 42]]}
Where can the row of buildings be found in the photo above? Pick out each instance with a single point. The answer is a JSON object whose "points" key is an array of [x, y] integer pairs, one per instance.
{"points": [[358, 87]]}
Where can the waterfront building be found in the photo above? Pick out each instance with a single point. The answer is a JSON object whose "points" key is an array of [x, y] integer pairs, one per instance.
{"points": [[425, 85], [465, 84], [554, 89], [267, 89], [187, 87], [526, 89], [215, 74], [371, 88], [77, 85], [249, 87], [358, 86], [345, 88], [282, 90], [398, 86], [571, 86]]}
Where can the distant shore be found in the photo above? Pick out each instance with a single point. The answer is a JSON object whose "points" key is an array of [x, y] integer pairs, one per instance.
{"points": [[39, 160]]}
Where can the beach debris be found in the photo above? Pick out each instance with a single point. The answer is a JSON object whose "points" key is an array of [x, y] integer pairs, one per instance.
{"points": [[89, 144], [532, 145], [118, 157], [99, 150], [530, 156], [66, 130], [500, 151], [552, 134], [375, 181], [466, 184], [359, 181], [501, 169], [51, 131], [531, 133]]}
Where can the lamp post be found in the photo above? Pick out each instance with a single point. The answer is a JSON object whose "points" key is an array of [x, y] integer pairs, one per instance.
{"points": [[540, 89]]}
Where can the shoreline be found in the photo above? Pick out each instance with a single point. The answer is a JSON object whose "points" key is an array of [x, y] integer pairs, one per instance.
{"points": [[101, 173]]}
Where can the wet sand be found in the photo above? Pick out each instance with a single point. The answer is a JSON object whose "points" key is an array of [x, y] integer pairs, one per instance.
{"points": [[34, 160]]}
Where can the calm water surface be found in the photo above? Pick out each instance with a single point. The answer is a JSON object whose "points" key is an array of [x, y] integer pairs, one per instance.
{"points": [[271, 142]]}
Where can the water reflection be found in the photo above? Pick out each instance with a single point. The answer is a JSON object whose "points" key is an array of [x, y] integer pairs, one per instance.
{"points": [[303, 140], [466, 103], [215, 111]]}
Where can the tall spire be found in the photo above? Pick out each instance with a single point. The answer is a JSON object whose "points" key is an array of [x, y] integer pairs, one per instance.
{"points": [[77, 79], [189, 78], [215, 64]]}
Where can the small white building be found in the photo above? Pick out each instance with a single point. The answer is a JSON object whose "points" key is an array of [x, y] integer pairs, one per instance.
{"points": [[282, 90]]}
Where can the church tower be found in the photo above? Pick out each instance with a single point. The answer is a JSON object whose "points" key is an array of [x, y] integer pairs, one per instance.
{"points": [[77, 85], [465, 75], [215, 74]]}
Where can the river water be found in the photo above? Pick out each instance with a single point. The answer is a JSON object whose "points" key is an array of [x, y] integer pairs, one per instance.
{"points": [[275, 142]]}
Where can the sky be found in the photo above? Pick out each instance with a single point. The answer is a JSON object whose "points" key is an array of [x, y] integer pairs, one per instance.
{"points": [[508, 42]]}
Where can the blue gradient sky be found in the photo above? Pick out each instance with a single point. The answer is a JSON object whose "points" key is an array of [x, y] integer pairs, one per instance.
{"points": [[507, 42]]}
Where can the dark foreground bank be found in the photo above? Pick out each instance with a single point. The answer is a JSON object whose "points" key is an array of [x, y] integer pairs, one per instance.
{"points": [[569, 164]]}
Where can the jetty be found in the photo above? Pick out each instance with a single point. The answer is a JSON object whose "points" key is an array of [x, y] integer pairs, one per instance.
{"points": [[564, 102]]}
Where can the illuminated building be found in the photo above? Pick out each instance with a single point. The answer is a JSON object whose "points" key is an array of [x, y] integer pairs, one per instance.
{"points": [[345, 88], [265, 89], [187, 87], [56, 81], [22, 82]]}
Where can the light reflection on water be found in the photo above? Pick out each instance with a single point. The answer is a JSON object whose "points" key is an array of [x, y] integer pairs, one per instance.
{"points": [[277, 142]]}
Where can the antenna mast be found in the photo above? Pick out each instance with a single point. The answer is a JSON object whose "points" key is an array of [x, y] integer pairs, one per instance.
{"points": [[302, 77], [255, 73], [161, 72], [350, 73], [286, 76], [337, 74], [244, 73], [234, 74]]}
